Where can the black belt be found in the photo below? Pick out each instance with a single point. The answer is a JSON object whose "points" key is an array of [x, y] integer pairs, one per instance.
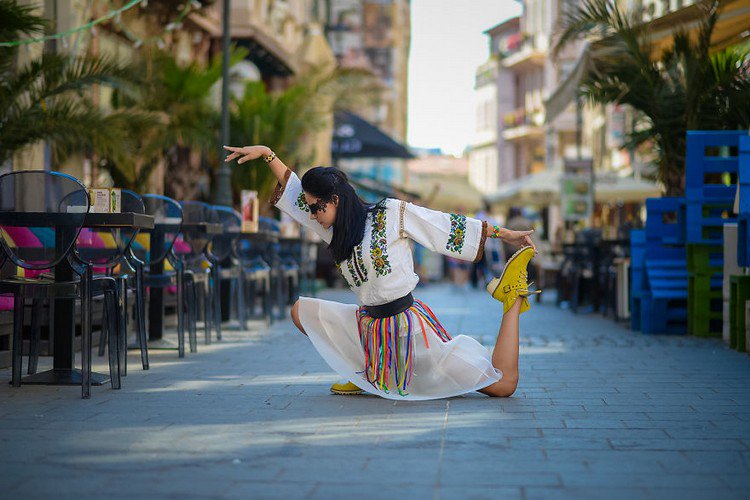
{"points": [[391, 308]]}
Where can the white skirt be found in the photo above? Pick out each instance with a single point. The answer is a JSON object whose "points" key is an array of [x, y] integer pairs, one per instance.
{"points": [[439, 369]]}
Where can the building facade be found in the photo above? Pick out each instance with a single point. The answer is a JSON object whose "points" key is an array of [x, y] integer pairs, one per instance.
{"points": [[374, 35], [491, 156]]}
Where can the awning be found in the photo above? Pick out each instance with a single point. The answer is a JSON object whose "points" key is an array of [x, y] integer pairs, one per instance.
{"points": [[355, 137], [543, 188], [731, 28]]}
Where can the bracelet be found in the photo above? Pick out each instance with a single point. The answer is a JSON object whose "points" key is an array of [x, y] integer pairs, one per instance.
{"points": [[495, 232], [269, 158]]}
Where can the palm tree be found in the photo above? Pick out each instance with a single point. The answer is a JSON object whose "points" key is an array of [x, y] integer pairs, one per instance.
{"points": [[685, 87], [287, 121], [181, 97], [43, 99]]}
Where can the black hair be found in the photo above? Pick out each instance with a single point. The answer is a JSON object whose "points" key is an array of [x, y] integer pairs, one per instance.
{"points": [[351, 212]]}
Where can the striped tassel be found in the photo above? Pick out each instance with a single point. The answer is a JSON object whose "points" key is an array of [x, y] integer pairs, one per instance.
{"points": [[388, 345]]}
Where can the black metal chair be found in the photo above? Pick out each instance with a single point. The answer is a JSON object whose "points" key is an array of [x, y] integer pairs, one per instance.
{"points": [[47, 211]]}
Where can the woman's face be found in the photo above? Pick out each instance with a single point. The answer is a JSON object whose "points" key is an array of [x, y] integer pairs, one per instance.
{"points": [[324, 213]]}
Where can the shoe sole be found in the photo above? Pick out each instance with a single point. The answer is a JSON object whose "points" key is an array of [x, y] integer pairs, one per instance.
{"points": [[346, 393], [502, 275]]}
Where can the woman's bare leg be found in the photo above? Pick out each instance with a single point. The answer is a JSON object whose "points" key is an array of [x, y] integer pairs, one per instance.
{"points": [[295, 317], [505, 354]]}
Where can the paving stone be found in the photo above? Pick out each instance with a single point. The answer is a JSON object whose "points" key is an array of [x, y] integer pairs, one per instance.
{"points": [[600, 411]]}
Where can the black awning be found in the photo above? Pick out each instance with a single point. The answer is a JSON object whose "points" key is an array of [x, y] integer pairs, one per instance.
{"points": [[355, 137]]}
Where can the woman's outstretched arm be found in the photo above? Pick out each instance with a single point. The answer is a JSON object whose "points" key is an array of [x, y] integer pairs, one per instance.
{"points": [[288, 195], [455, 235], [247, 153]]}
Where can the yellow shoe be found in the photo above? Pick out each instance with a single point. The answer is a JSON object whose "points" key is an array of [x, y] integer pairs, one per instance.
{"points": [[512, 283], [346, 388]]}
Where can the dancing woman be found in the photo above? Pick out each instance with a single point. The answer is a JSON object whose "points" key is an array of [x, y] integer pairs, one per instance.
{"points": [[392, 345]]}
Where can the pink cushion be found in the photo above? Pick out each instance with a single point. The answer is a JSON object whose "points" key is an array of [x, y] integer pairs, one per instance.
{"points": [[6, 303], [22, 236]]}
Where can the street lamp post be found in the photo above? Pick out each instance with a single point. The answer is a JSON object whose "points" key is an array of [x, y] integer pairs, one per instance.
{"points": [[222, 182]]}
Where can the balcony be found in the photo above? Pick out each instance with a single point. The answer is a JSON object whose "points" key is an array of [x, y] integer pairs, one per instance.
{"points": [[520, 125], [530, 54]]}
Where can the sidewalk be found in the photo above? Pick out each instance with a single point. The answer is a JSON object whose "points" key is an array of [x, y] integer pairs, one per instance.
{"points": [[600, 412]]}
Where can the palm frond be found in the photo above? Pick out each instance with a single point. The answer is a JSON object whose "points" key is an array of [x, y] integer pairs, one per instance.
{"points": [[18, 20]]}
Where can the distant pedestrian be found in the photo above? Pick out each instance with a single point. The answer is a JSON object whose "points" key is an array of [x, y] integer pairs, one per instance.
{"points": [[393, 345]]}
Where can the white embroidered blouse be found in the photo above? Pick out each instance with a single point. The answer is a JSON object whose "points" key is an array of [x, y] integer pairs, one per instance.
{"points": [[381, 268]]}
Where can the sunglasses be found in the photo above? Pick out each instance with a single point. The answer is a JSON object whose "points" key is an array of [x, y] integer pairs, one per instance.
{"points": [[319, 205]]}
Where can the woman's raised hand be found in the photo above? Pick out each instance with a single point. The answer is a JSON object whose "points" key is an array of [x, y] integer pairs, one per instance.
{"points": [[247, 153]]}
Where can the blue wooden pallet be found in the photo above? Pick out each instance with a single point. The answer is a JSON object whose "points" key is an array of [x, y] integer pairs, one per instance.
{"points": [[701, 162], [711, 177]]}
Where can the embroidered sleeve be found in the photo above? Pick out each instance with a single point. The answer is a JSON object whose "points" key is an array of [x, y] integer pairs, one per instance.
{"points": [[453, 235], [291, 200]]}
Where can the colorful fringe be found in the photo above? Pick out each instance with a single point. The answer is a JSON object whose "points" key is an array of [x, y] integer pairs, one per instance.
{"points": [[388, 344]]}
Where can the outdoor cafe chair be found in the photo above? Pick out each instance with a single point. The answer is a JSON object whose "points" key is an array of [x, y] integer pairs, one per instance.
{"points": [[156, 248], [290, 263], [199, 265], [256, 272], [42, 215], [106, 249], [279, 276], [223, 251]]}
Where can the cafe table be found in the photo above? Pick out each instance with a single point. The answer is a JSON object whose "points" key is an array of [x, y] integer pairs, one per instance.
{"points": [[63, 343]]}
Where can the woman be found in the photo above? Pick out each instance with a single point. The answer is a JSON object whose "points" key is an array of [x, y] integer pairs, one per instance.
{"points": [[393, 345]]}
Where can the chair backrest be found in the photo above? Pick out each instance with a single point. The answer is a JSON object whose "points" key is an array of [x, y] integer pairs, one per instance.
{"points": [[269, 224], [222, 245], [104, 247], [195, 212], [43, 215], [167, 214]]}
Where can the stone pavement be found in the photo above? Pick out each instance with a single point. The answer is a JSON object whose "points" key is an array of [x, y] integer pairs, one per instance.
{"points": [[601, 412]]}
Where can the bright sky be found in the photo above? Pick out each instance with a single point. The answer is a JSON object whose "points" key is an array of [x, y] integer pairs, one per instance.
{"points": [[447, 45]]}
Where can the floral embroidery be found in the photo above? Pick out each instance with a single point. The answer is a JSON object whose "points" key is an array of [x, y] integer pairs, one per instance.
{"points": [[379, 242], [338, 267], [302, 203], [359, 262], [350, 266], [356, 266], [458, 233]]}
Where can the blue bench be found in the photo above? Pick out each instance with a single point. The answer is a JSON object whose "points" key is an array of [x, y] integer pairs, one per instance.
{"points": [[664, 300]]}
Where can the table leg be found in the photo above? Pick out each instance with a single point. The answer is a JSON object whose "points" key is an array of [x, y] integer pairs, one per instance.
{"points": [[156, 295]]}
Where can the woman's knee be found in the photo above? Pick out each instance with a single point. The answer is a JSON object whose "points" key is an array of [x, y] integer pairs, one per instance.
{"points": [[505, 388]]}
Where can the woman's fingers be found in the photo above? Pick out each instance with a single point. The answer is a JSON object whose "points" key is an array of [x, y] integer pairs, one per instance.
{"points": [[233, 148], [245, 158], [531, 244], [231, 156]]}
